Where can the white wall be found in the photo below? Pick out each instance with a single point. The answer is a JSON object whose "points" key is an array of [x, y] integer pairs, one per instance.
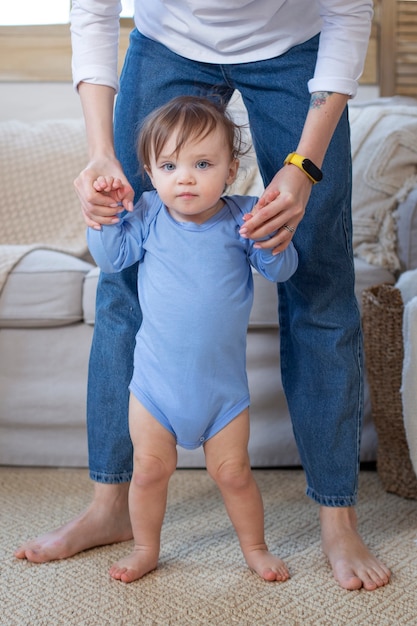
{"points": [[36, 101]]}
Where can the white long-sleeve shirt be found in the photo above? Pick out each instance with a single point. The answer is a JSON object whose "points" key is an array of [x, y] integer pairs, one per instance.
{"points": [[228, 31]]}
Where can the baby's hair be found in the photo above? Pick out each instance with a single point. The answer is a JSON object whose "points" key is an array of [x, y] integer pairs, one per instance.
{"points": [[194, 117]]}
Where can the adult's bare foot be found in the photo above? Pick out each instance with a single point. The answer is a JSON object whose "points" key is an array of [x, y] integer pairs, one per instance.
{"points": [[105, 521], [354, 566]]}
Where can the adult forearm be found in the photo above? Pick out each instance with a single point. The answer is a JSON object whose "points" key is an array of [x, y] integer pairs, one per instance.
{"points": [[97, 104], [321, 121], [100, 207]]}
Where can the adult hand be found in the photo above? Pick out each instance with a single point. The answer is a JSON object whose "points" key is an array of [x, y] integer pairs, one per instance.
{"points": [[279, 210], [99, 203]]}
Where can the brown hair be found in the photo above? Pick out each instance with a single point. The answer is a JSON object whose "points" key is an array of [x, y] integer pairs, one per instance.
{"points": [[196, 117]]}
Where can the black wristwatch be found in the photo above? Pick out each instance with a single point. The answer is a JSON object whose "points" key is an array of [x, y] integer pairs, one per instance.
{"points": [[305, 165]]}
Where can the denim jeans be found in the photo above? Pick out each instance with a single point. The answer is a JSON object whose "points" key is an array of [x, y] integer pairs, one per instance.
{"points": [[321, 349]]}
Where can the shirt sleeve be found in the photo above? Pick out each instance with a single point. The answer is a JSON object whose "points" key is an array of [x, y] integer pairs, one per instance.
{"points": [[117, 246], [277, 268], [95, 40], [344, 37]]}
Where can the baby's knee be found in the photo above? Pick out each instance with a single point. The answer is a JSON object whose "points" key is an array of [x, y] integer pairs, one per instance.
{"points": [[149, 471], [232, 474]]}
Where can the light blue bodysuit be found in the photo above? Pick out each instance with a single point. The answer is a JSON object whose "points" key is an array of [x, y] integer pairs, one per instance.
{"points": [[196, 291]]}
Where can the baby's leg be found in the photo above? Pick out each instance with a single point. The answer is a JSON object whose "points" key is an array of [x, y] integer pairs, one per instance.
{"points": [[155, 459], [228, 464]]}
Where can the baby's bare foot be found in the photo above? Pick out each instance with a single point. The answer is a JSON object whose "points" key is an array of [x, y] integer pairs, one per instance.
{"points": [[139, 562], [354, 566], [266, 565], [106, 521]]}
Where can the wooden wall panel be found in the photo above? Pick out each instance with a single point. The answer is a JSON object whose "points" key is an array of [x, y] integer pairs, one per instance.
{"points": [[42, 53], [397, 43], [406, 48], [35, 53]]}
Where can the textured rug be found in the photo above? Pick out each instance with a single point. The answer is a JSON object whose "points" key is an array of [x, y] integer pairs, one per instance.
{"points": [[202, 578]]}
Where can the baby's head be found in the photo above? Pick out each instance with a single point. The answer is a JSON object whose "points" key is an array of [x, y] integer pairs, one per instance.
{"points": [[191, 118]]}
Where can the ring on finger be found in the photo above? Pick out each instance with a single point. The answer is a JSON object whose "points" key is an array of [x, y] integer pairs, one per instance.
{"points": [[290, 229]]}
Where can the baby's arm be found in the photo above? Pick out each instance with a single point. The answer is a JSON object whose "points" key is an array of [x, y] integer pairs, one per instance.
{"points": [[116, 246], [275, 267]]}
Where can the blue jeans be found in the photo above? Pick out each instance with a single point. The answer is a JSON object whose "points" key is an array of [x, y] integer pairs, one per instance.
{"points": [[320, 333]]}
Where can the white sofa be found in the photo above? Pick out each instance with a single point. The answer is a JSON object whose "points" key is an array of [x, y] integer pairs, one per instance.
{"points": [[49, 284]]}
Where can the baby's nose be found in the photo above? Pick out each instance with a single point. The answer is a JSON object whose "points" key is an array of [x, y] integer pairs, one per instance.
{"points": [[185, 175]]}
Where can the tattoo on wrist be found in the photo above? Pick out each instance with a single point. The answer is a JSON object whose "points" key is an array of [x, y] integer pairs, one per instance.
{"points": [[319, 98]]}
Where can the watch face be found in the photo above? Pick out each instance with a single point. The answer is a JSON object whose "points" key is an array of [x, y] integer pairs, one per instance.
{"points": [[312, 169]]}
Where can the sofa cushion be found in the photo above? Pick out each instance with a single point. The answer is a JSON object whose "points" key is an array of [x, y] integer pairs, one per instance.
{"points": [[89, 295], [44, 289], [264, 313], [384, 154]]}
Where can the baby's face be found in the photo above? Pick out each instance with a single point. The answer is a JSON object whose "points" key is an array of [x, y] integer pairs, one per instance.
{"points": [[191, 182]]}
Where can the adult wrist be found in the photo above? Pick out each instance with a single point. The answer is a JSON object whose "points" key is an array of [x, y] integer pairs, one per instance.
{"points": [[313, 173]]}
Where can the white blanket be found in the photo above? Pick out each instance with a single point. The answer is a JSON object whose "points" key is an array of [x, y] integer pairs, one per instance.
{"points": [[38, 204]]}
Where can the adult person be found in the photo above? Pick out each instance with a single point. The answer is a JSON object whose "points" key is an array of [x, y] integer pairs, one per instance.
{"points": [[296, 63]]}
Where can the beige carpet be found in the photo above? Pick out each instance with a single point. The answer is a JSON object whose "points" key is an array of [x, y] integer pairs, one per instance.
{"points": [[202, 578]]}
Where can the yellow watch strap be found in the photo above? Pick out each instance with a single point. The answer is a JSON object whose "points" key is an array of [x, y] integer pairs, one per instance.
{"points": [[297, 159]]}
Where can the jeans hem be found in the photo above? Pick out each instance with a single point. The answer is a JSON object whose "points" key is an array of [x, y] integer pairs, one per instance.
{"points": [[331, 501], [111, 479]]}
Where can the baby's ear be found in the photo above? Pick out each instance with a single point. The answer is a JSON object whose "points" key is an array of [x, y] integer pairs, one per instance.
{"points": [[148, 171], [233, 170]]}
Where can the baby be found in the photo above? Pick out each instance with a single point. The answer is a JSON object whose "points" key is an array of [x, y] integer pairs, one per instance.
{"points": [[189, 385]]}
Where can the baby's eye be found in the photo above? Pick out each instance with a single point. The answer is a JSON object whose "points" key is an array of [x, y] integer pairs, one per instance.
{"points": [[203, 165], [168, 167]]}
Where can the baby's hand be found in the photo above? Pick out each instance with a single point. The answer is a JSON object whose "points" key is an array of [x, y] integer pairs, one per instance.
{"points": [[107, 184], [112, 187]]}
